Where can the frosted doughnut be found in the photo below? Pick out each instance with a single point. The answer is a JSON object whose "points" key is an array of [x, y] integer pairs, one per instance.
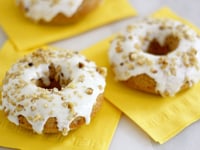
{"points": [[52, 91], [159, 56], [56, 11]]}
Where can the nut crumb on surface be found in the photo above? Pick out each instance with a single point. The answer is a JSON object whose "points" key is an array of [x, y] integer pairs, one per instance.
{"points": [[89, 91]]}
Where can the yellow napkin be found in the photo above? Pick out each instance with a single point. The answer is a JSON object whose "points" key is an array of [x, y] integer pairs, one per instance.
{"points": [[20, 29], [161, 118], [97, 135]]}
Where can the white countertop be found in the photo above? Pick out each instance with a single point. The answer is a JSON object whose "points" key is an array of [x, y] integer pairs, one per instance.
{"points": [[128, 135]]}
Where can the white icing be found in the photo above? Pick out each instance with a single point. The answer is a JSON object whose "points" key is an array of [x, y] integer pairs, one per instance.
{"points": [[165, 79], [48, 9], [18, 89]]}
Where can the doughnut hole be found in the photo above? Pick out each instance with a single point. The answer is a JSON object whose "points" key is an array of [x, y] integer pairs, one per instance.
{"points": [[170, 44], [55, 79]]}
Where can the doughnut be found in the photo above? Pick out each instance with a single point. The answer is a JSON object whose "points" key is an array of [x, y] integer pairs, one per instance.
{"points": [[56, 11], [52, 91], [159, 56]]}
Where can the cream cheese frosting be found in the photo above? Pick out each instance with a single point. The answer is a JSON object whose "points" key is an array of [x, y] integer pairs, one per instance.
{"points": [[129, 57], [47, 9], [81, 81]]}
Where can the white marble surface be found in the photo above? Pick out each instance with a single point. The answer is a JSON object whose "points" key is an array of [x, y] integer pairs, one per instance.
{"points": [[128, 135]]}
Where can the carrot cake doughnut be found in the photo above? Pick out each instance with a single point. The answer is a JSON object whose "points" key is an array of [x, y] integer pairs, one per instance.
{"points": [[159, 56], [56, 11], [50, 91]]}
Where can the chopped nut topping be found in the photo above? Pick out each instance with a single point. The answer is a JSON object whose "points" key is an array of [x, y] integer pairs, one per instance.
{"points": [[26, 104], [193, 51], [71, 85], [153, 70], [81, 78], [187, 81], [71, 3], [63, 98], [162, 27], [118, 49], [132, 56], [186, 35], [102, 71], [165, 94], [112, 65], [121, 37], [127, 73], [173, 70], [33, 108], [80, 65], [100, 87], [33, 2], [69, 55], [163, 62], [65, 104], [137, 46], [124, 56], [129, 28], [149, 62], [146, 38], [45, 105], [51, 112], [21, 98], [189, 58], [131, 66], [70, 105], [19, 107], [34, 99], [56, 1], [64, 131], [89, 91], [12, 102], [130, 37], [30, 118], [141, 60], [37, 117], [30, 64]]}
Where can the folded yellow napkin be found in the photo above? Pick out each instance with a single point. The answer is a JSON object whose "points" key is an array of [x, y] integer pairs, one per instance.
{"points": [[20, 29], [97, 135], [161, 118]]}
